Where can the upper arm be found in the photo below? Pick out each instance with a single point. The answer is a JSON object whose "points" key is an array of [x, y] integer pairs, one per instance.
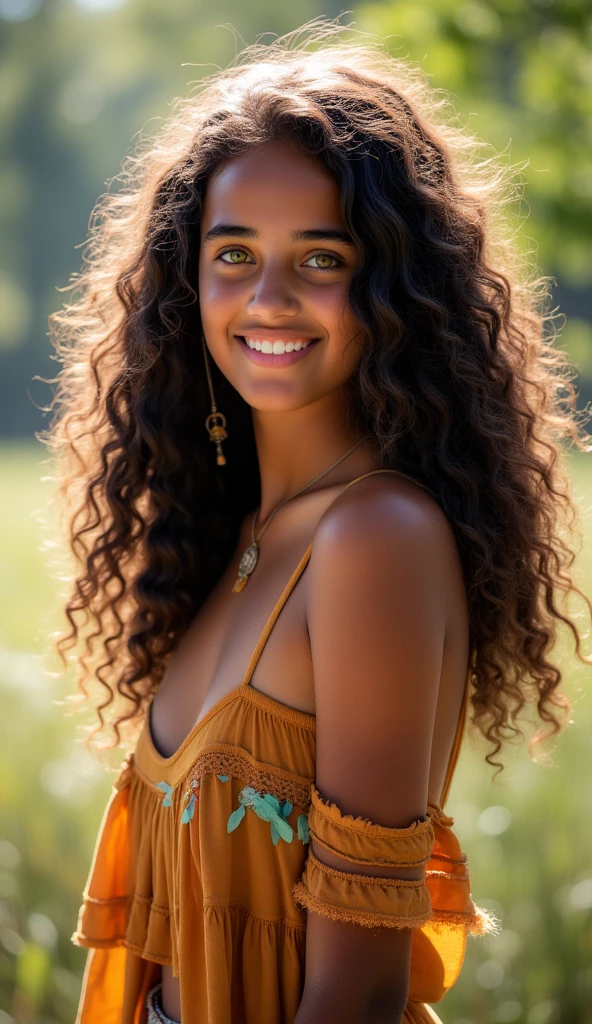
{"points": [[376, 611]]}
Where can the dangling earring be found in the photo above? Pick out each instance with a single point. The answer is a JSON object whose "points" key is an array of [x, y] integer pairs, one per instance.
{"points": [[216, 421]]}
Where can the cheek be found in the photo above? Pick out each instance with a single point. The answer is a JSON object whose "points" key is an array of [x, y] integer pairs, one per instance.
{"points": [[344, 330], [216, 299]]}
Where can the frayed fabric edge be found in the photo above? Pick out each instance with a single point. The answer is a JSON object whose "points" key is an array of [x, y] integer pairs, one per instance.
{"points": [[85, 943], [370, 919]]}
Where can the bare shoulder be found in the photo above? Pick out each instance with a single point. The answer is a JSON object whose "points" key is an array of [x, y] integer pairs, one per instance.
{"points": [[385, 515]]}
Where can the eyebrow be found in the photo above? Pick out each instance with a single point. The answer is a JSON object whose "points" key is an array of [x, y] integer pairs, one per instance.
{"points": [[314, 235]]}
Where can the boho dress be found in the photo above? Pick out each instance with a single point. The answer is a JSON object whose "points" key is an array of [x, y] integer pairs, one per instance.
{"points": [[203, 863]]}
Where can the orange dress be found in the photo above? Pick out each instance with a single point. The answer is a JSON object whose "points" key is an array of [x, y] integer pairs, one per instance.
{"points": [[203, 863]]}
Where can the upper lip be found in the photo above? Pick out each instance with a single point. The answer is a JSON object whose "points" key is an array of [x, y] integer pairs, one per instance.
{"points": [[276, 334]]}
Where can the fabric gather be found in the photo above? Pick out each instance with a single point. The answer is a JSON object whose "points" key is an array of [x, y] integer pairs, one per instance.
{"points": [[363, 899], [364, 842]]}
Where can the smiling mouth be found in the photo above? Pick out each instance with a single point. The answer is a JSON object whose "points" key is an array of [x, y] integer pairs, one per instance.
{"points": [[279, 352]]}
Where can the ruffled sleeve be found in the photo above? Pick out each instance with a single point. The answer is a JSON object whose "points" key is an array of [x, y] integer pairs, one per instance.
{"points": [[369, 900], [438, 906], [103, 916]]}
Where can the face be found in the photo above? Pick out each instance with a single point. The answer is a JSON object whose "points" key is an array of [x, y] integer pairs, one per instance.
{"points": [[274, 268]]}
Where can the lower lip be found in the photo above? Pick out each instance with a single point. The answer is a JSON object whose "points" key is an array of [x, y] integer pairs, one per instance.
{"points": [[275, 361]]}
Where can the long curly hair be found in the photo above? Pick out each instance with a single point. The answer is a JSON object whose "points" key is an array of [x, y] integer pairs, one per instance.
{"points": [[460, 381]]}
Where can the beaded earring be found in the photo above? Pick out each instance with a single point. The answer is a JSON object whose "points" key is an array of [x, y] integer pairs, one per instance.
{"points": [[216, 421]]}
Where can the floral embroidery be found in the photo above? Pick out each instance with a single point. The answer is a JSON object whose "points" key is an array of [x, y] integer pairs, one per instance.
{"points": [[265, 805], [303, 831], [192, 794], [268, 808], [168, 792]]}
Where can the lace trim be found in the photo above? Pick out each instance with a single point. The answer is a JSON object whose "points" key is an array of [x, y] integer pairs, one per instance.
{"points": [[223, 759]]}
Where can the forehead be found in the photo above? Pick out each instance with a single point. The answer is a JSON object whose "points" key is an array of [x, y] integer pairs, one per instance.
{"points": [[273, 186]]}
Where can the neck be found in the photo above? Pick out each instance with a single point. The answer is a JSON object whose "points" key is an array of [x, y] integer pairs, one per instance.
{"points": [[295, 447]]}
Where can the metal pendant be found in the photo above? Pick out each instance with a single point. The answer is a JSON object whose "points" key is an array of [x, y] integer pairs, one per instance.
{"points": [[247, 564]]}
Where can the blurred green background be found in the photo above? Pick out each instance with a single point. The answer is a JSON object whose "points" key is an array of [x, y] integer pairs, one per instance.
{"points": [[79, 80]]}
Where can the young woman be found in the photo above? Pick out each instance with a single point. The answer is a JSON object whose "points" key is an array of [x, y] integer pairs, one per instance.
{"points": [[308, 261]]}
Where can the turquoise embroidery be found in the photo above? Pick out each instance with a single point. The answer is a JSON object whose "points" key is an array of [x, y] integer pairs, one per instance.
{"points": [[189, 810], [283, 810], [267, 807], [168, 791], [303, 831]]}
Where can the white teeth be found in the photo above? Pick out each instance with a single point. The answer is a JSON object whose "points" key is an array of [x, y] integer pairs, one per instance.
{"points": [[276, 347]]}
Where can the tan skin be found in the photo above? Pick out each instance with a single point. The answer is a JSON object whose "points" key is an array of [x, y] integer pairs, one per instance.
{"points": [[374, 637]]}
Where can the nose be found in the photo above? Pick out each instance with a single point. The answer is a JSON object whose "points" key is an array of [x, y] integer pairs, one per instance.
{"points": [[273, 295]]}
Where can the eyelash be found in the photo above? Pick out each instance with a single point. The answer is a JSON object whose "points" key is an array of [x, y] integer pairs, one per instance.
{"points": [[235, 248]]}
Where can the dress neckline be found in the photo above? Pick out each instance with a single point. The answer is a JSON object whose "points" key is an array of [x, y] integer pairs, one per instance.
{"points": [[245, 691]]}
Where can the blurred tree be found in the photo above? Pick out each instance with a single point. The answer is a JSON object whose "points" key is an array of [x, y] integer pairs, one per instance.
{"points": [[77, 81], [520, 72], [79, 78]]}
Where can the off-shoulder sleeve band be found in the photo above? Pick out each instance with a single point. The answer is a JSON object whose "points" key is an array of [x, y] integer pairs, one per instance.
{"points": [[363, 842], [360, 898]]}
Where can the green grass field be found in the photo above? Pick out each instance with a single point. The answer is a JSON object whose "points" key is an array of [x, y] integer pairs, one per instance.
{"points": [[528, 835]]}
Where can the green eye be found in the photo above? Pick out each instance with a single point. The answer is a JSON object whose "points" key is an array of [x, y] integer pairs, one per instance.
{"points": [[323, 261], [236, 256]]}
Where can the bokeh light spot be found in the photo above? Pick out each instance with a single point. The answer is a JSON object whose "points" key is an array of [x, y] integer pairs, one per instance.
{"points": [[82, 100], [494, 820], [580, 895], [508, 1012], [490, 974], [99, 5], [10, 858], [19, 10], [42, 930]]}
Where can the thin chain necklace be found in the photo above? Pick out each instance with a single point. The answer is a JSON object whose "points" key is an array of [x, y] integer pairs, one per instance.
{"points": [[251, 554]]}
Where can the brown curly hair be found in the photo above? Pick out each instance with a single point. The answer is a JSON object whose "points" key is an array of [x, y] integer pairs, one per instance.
{"points": [[460, 382]]}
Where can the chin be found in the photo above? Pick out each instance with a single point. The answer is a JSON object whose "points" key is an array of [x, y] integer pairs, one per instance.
{"points": [[270, 397]]}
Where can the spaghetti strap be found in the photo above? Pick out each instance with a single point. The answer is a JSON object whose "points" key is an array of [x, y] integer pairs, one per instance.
{"points": [[458, 738], [298, 572], [276, 611]]}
